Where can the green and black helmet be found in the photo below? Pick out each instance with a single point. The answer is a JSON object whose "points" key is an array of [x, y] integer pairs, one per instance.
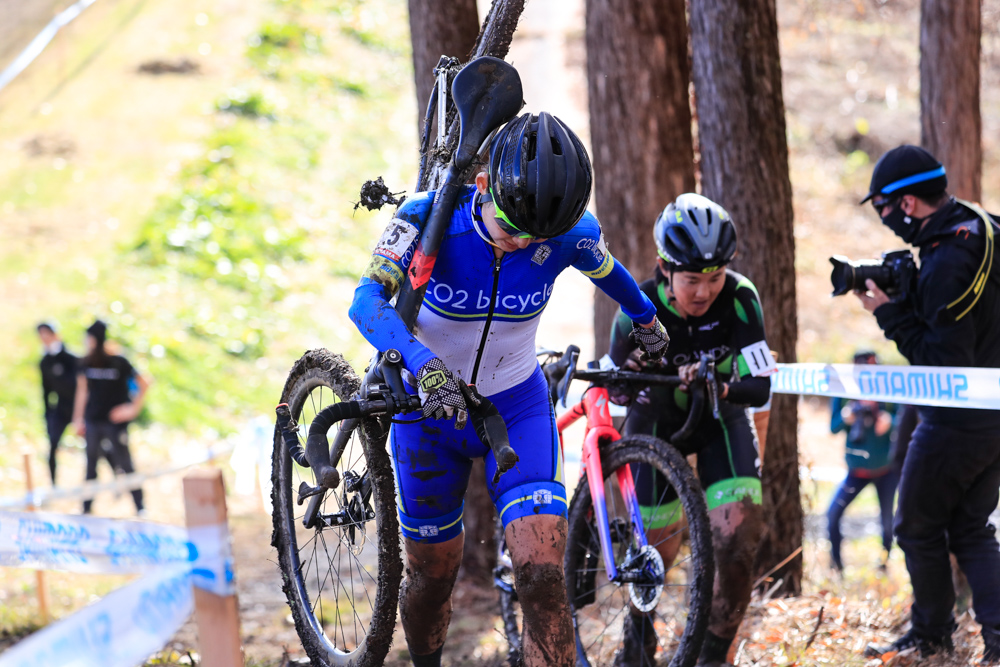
{"points": [[695, 234], [540, 176]]}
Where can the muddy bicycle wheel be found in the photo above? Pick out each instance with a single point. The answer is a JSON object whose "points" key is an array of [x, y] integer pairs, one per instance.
{"points": [[341, 577], [503, 581], [670, 596]]}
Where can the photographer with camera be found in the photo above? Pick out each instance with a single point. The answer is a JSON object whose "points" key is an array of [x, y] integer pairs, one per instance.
{"points": [[946, 314], [869, 431]]}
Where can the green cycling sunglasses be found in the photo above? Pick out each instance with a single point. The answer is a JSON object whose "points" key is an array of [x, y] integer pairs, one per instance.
{"points": [[504, 223]]}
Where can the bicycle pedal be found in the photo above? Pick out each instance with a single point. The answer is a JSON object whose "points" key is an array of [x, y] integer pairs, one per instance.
{"points": [[306, 491]]}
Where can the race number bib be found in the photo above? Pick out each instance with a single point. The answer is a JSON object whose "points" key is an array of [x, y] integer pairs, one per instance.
{"points": [[759, 359], [601, 249], [396, 240]]}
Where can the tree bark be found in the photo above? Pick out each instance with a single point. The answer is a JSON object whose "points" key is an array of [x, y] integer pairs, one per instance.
{"points": [[951, 126], [439, 28], [744, 161], [640, 125]]}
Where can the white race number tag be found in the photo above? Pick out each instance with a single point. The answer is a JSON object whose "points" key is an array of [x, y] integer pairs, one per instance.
{"points": [[396, 240], [601, 249], [759, 358]]}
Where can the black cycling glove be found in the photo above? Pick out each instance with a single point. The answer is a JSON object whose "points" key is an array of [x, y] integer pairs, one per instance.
{"points": [[653, 340], [439, 393]]}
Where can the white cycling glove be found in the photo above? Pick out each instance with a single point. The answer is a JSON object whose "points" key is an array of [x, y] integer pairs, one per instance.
{"points": [[439, 393], [653, 340]]}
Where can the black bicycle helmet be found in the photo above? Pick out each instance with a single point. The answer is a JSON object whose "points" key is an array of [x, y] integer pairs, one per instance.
{"points": [[695, 234], [540, 175]]}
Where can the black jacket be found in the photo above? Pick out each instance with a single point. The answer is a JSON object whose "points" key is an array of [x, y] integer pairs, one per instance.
{"points": [[59, 383], [928, 332]]}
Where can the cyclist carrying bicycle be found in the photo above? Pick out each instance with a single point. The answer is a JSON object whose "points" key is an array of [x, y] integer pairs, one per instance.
{"points": [[510, 235], [707, 309]]}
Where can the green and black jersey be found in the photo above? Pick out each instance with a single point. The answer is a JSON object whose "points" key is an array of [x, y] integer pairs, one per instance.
{"points": [[732, 331]]}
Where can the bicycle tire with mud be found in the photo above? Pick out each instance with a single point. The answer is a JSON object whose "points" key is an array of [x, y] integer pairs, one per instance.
{"points": [[665, 458], [316, 368]]}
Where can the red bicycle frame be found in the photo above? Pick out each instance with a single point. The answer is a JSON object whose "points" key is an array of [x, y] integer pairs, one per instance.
{"points": [[600, 432]]}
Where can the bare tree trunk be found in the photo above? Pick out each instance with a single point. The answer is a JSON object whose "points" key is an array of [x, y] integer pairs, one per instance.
{"points": [[744, 161], [640, 125], [951, 126], [439, 29]]}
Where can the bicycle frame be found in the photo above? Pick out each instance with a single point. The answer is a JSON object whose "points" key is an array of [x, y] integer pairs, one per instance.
{"points": [[601, 431]]}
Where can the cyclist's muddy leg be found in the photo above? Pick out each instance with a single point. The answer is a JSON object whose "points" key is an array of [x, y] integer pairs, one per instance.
{"points": [[736, 531], [425, 597], [537, 545]]}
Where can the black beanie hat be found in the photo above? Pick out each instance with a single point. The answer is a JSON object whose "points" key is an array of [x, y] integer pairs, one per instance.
{"points": [[907, 170], [98, 330]]}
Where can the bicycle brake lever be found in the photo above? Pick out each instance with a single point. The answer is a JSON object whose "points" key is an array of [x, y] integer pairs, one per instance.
{"points": [[490, 428], [571, 357], [713, 389]]}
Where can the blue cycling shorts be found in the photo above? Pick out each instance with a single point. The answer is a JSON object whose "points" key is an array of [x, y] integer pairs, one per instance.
{"points": [[432, 461]]}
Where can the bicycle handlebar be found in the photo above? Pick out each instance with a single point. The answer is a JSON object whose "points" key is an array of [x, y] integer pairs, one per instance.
{"points": [[561, 373], [378, 399]]}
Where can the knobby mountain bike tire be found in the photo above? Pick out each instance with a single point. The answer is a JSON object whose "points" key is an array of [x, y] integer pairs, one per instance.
{"points": [[680, 610], [503, 581], [341, 582]]}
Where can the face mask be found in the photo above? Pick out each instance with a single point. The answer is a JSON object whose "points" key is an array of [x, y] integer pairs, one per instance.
{"points": [[904, 226], [53, 348]]}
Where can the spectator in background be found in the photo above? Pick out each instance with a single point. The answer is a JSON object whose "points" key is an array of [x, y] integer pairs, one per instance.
{"points": [[869, 431], [104, 407], [58, 368]]}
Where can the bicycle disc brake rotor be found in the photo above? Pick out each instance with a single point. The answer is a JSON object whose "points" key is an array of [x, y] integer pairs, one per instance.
{"points": [[645, 594]]}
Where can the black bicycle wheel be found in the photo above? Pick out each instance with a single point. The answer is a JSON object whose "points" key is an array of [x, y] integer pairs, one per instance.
{"points": [[677, 597], [341, 581], [503, 581]]}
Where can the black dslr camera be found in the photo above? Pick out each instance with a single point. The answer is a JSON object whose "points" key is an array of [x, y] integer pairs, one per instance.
{"points": [[894, 275], [864, 421]]}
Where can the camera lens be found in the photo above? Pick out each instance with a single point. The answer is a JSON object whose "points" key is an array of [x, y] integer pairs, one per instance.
{"points": [[849, 275]]}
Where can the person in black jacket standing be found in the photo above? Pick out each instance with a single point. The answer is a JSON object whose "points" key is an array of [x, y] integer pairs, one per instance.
{"points": [[950, 317], [58, 368], [104, 407]]}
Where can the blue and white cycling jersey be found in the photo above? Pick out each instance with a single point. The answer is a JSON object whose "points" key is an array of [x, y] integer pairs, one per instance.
{"points": [[480, 313]]}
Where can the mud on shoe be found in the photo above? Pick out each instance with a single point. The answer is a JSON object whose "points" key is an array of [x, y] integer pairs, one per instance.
{"points": [[928, 645]]}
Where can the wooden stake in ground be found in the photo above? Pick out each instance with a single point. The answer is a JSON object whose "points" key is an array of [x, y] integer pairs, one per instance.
{"points": [[217, 616], [43, 593]]}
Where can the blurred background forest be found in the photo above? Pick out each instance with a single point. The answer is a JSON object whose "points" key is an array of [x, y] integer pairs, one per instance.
{"points": [[187, 170]]}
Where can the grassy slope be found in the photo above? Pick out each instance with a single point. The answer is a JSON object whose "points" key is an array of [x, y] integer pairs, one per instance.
{"points": [[140, 144]]}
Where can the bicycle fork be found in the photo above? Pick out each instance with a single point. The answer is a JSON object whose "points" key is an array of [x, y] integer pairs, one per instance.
{"points": [[595, 478]]}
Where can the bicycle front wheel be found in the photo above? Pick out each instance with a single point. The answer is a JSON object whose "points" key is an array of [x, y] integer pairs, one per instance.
{"points": [[341, 576], [664, 588]]}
